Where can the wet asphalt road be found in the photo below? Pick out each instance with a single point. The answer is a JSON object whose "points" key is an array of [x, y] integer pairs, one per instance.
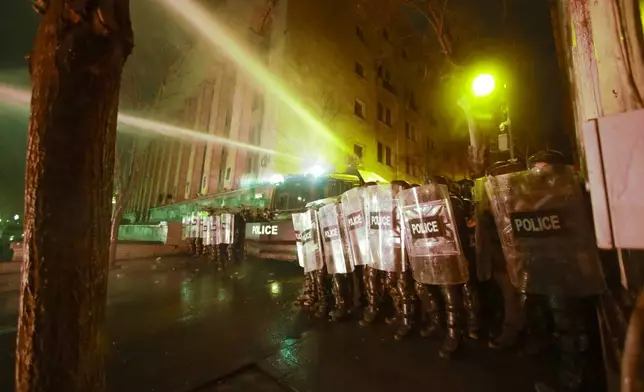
{"points": [[178, 325]]}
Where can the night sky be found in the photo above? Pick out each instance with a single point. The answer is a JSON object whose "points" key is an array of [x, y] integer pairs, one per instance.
{"points": [[18, 23]]}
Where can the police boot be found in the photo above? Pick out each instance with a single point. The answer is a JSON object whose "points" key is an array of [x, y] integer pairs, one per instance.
{"points": [[320, 287], [303, 298], [339, 288], [573, 343], [391, 288], [310, 293], [371, 280], [198, 247], [214, 254], [431, 312], [536, 329], [359, 290], [453, 302], [472, 308], [406, 295], [221, 257]]}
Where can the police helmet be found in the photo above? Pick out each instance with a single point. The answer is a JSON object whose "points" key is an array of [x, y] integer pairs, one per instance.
{"points": [[548, 157]]}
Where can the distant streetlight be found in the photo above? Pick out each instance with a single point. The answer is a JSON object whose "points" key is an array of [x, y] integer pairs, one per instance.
{"points": [[483, 85], [16, 217]]}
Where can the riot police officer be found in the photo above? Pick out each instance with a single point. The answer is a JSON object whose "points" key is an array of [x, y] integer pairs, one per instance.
{"points": [[388, 275], [550, 250], [491, 262], [436, 257]]}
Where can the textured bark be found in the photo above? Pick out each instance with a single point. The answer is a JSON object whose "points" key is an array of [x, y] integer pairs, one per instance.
{"points": [[76, 64]]}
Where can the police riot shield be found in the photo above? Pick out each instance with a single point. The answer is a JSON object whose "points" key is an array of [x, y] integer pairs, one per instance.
{"points": [[313, 260], [200, 224], [432, 237], [194, 224], [227, 228], [334, 241], [216, 228], [545, 232], [185, 227], [298, 227], [383, 238], [207, 230], [354, 220]]}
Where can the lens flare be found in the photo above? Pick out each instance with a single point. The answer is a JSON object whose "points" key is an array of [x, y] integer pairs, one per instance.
{"points": [[21, 98], [206, 25], [14, 96]]}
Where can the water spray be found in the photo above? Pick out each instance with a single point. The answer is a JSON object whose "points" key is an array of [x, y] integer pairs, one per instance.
{"points": [[217, 35], [21, 98]]}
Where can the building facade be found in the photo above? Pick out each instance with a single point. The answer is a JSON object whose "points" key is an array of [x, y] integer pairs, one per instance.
{"points": [[335, 90]]}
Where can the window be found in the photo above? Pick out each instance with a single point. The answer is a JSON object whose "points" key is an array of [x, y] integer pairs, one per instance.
{"points": [[384, 114], [385, 34], [380, 71], [388, 156], [358, 109], [379, 152], [358, 151], [359, 33], [227, 174], [410, 131], [359, 69]]}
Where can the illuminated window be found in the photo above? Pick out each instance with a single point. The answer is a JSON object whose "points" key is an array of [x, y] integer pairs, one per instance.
{"points": [[358, 150], [384, 114], [379, 152], [358, 109], [410, 131]]}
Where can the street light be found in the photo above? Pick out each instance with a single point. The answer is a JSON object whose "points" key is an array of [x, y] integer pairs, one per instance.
{"points": [[483, 85], [16, 217]]}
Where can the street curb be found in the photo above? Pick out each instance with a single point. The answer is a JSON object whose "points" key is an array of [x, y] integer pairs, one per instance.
{"points": [[249, 365]]}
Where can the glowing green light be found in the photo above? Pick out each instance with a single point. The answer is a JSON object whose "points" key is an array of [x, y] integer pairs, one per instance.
{"points": [[483, 85]]}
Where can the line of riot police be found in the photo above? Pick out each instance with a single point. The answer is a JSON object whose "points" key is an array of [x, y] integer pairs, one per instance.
{"points": [[216, 233], [415, 256]]}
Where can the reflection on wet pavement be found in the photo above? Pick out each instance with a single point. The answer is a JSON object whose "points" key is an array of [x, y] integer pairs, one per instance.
{"points": [[174, 324], [178, 325]]}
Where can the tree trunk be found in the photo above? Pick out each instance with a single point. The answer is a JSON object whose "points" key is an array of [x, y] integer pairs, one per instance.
{"points": [[114, 231], [76, 66]]}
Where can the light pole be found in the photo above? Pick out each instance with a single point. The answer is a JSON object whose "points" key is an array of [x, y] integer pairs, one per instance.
{"points": [[480, 100]]}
